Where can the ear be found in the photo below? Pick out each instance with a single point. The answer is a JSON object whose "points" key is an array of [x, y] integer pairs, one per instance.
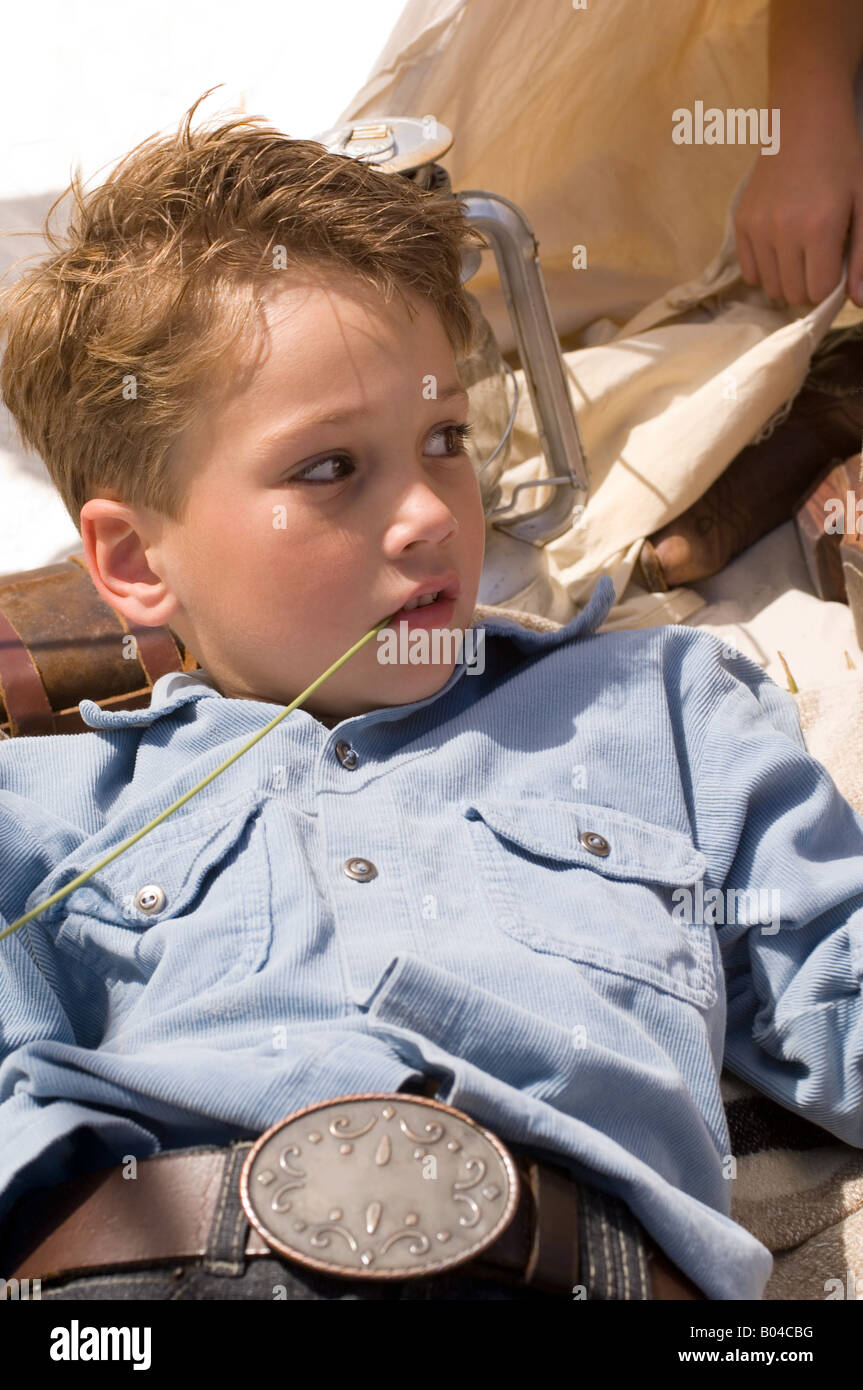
{"points": [[125, 563]]}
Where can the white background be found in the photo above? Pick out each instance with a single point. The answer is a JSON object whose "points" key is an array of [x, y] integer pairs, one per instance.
{"points": [[86, 80]]}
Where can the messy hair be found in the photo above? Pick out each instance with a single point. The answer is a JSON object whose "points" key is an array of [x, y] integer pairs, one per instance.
{"points": [[116, 339]]}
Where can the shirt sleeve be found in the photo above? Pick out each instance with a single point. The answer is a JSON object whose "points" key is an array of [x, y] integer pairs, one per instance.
{"points": [[46, 1000], [785, 850]]}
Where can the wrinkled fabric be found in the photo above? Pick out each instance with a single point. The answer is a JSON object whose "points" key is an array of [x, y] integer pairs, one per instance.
{"points": [[545, 831]]}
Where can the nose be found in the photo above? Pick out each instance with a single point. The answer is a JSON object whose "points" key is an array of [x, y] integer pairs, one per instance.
{"points": [[419, 514]]}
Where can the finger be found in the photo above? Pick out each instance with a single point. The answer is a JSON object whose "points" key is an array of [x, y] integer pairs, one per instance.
{"points": [[825, 248], [791, 260], [746, 257], [823, 270], [768, 270], [855, 254]]}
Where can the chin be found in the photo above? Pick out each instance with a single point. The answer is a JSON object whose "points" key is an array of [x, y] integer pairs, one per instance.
{"points": [[417, 682]]}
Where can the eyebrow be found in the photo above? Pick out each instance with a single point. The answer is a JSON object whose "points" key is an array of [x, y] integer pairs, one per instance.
{"points": [[271, 442]]}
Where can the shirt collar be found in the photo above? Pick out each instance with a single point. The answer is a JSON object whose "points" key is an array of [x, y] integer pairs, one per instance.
{"points": [[168, 694], [181, 687], [584, 624]]}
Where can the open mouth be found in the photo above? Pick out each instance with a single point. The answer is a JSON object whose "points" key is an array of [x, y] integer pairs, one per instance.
{"points": [[429, 611]]}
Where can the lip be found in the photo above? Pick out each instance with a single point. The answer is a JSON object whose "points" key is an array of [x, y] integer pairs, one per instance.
{"points": [[449, 586]]}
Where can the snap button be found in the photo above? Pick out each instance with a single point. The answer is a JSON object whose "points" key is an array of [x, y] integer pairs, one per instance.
{"points": [[346, 755], [360, 869], [150, 898], [597, 844]]}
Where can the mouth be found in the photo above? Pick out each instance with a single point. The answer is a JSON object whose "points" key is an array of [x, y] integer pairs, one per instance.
{"points": [[437, 614], [429, 610]]}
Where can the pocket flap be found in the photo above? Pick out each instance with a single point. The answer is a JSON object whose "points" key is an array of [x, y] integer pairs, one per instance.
{"points": [[636, 849], [174, 856]]}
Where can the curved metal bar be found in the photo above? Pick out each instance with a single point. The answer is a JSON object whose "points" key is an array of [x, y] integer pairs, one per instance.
{"points": [[515, 250]]}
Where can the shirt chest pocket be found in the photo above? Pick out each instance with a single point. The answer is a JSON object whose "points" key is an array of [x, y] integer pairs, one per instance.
{"points": [[602, 888], [187, 906]]}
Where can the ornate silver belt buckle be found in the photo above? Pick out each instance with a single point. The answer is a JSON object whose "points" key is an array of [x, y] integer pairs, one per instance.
{"points": [[379, 1186]]}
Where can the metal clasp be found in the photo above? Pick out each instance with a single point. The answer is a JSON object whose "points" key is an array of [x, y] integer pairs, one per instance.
{"points": [[379, 1186]]}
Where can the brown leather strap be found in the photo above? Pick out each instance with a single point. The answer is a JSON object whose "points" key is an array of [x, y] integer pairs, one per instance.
{"points": [[667, 1281], [24, 695], [165, 1213], [539, 1248], [553, 1262]]}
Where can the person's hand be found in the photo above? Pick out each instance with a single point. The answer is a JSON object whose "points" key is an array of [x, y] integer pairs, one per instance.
{"points": [[796, 212]]}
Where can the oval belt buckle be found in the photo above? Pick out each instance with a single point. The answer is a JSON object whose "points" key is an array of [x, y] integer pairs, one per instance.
{"points": [[379, 1185]]}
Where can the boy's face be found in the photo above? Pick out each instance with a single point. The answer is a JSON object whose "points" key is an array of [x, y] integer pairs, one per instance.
{"points": [[272, 576]]}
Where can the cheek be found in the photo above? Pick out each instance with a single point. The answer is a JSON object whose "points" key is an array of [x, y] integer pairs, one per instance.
{"points": [[476, 521], [232, 526], [262, 536], [320, 568]]}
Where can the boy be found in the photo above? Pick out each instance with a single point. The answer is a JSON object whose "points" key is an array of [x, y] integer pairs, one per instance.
{"points": [[493, 877]]}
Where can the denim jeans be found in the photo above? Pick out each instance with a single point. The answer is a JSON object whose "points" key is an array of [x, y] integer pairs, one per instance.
{"points": [[611, 1254]]}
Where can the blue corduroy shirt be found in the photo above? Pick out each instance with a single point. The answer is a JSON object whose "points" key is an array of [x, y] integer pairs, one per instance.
{"points": [[573, 884]]}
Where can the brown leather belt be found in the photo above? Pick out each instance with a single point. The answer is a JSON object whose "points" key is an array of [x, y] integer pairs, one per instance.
{"points": [[166, 1215]]}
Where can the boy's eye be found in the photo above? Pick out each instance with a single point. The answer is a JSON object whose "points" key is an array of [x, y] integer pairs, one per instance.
{"points": [[460, 432], [333, 458], [459, 437]]}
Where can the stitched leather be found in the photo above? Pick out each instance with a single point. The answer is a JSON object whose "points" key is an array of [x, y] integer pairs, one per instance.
{"points": [[21, 688]]}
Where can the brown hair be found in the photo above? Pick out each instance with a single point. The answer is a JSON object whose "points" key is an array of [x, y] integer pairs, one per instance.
{"points": [[116, 338]]}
